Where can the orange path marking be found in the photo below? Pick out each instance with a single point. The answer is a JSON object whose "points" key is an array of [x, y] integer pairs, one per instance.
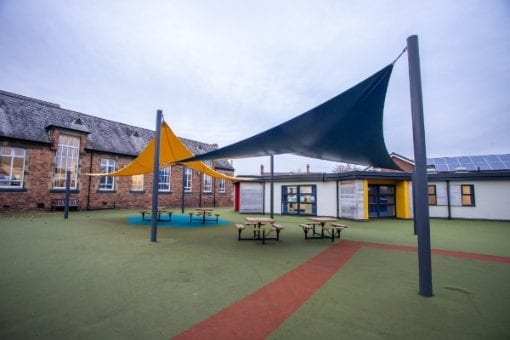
{"points": [[259, 314]]}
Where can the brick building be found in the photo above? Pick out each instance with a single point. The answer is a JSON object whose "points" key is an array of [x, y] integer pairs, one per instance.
{"points": [[39, 141]]}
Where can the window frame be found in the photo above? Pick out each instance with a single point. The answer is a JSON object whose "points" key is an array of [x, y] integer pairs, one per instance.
{"points": [[470, 195], [222, 186], [432, 195], [66, 153], [107, 166], [208, 184], [137, 182], [13, 156], [188, 179], [165, 172]]}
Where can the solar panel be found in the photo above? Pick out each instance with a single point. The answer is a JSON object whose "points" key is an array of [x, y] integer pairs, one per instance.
{"points": [[477, 159], [471, 163], [496, 165]]}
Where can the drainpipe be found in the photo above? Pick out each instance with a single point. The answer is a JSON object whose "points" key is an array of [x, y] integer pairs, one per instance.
{"points": [[448, 199], [200, 191], [337, 199], [90, 180]]}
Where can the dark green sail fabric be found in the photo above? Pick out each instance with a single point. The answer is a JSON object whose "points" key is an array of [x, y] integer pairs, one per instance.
{"points": [[346, 128]]}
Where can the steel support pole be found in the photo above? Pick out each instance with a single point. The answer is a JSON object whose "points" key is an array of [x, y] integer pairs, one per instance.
{"points": [[155, 179], [271, 187], [183, 185], [420, 175]]}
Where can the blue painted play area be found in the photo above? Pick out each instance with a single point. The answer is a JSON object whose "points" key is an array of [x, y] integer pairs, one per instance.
{"points": [[177, 221]]}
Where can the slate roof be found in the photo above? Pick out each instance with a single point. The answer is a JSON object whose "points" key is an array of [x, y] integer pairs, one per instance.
{"points": [[28, 119]]}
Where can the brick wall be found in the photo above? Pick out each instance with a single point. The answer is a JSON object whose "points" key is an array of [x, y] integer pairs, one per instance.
{"points": [[38, 194]]}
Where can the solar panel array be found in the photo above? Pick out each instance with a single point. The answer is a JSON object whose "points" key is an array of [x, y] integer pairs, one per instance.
{"points": [[471, 163]]}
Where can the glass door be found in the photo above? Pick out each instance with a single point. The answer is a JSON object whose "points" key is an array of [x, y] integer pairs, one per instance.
{"points": [[381, 201]]}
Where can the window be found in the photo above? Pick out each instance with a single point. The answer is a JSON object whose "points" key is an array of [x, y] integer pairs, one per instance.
{"points": [[432, 194], [164, 179], [208, 179], [222, 185], [107, 182], [299, 199], [467, 194], [66, 158], [137, 183], [207, 183], [188, 179], [12, 167]]}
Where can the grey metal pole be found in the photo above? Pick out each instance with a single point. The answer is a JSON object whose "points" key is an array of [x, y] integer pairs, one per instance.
{"points": [[68, 194], [155, 179], [183, 185], [420, 175], [271, 187]]}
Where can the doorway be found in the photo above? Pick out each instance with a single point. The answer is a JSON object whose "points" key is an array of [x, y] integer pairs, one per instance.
{"points": [[381, 200]]}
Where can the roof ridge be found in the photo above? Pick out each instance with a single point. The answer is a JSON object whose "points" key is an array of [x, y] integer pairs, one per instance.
{"points": [[19, 96]]}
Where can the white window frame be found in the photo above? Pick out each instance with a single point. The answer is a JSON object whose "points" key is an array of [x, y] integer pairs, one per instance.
{"points": [[222, 185], [164, 179], [207, 183], [137, 182], [67, 158], [11, 179], [207, 180], [188, 179], [107, 166]]}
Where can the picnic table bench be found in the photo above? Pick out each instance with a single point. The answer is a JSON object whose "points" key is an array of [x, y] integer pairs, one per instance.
{"points": [[161, 212], [203, 215], [260, 231], [326, 231]]}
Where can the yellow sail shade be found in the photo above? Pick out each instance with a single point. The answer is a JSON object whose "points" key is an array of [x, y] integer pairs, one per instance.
{"points": [[171, 151]]}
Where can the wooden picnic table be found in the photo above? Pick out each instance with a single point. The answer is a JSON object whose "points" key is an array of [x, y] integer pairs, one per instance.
{"points": [[327, 231], [260, 232], [203, 213], [161, 211]]}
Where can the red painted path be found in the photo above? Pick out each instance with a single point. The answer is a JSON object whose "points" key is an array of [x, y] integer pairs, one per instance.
{"points": [[282, 297]]}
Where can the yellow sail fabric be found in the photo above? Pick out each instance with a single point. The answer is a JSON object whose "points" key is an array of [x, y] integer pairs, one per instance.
{"points": [[171, 151]]}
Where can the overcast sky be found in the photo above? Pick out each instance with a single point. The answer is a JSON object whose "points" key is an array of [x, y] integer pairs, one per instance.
{"points": [[222, 71]]}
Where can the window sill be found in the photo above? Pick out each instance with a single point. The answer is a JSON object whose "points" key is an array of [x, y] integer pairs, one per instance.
{"points": [[6, 189], [61, 191], [106, 191]]}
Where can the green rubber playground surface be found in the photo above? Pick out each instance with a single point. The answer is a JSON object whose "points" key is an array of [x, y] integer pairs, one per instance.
{"points": [[94, 276]]}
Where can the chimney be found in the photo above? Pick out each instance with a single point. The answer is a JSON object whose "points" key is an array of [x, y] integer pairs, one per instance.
{"points": [[261, 169], [307, 168]]}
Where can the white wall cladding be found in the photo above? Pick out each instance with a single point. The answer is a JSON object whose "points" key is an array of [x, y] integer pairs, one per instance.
{"points": [[352, 197], [251, 197], [492, 200]]}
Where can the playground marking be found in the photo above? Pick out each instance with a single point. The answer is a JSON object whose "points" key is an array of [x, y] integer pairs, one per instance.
{"points": [[260, 313]]}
